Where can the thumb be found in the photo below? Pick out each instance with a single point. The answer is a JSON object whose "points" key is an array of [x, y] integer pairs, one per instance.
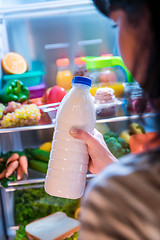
{"points": [[82, 135]]}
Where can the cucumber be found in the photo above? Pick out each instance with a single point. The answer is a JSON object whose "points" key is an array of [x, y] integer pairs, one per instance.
{"points": [[39, 166], [40, 154]]}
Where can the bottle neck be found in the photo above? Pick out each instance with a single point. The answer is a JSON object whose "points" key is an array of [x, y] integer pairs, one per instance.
{"points": [[63, 68], [82, 86]]}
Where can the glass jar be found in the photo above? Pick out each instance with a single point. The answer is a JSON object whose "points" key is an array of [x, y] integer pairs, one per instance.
{"points": [[135, 100], [106, 104], [108, 71]]}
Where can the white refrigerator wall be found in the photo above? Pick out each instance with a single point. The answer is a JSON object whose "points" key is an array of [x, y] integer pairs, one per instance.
{"points": [[44, 36]]}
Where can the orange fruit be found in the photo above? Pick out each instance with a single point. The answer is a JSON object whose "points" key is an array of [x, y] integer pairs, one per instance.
{"points": [[14, 63]]}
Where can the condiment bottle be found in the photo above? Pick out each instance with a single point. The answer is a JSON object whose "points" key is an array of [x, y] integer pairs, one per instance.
{"points": [[68, 164], [64, 74], [80, 67]]}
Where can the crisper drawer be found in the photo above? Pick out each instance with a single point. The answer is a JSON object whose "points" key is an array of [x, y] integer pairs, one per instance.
{"points": [[23, 204]]}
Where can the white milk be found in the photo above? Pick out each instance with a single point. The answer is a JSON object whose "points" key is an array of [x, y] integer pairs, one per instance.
{"points": [[68, 164]]}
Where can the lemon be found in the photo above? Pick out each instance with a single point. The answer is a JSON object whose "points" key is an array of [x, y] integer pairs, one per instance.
{"points": [[46, 146]]}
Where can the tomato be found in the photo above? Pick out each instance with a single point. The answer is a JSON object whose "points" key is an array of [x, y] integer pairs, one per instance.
{"points": [[56, 94]]}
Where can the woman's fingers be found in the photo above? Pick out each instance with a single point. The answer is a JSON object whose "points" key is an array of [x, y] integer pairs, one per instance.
{"points": [[83, 135], [100, 156]]}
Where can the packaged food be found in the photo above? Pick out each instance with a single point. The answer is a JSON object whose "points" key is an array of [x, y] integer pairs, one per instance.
{"points": [[106, 104], [36, 91]]}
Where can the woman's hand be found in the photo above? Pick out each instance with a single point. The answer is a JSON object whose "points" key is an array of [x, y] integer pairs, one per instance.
{"points": [[100, 156]]}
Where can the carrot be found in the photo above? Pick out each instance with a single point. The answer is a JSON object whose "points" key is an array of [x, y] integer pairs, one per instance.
{"points": [[142, 142], [23, 161], [11, 168], [19, 173], [12, 158], [1, 160], [3, 173]]}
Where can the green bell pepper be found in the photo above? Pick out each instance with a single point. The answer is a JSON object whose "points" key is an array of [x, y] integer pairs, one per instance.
{"points": [[14, 90]]}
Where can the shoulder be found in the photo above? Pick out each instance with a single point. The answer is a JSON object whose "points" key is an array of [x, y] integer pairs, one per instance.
{"points": [[131, 171], [122, 199]]}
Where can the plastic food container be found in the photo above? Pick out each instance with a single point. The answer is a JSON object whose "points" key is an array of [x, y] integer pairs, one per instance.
{"points": [[106, 104], [29, 79], [36, 91], [107, 110], [108, 71]]}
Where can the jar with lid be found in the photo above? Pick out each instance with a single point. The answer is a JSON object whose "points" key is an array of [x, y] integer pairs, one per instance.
{"points": [[108, 71], [106, 104], [64, 74], [80, 67], [135, 100]]}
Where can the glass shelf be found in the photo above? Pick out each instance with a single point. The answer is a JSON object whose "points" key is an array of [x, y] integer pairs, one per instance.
{"points": [[125, 118], [52, 125], [12, 186], [39, 178], [46, 8], [27, 128]]}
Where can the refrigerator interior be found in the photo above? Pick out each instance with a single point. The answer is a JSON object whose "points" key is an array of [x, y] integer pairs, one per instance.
{"points": [[43, 31], [44, 34]]}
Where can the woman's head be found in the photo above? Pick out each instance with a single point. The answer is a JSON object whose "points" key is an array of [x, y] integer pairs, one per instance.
{"points": [[139, 39]]}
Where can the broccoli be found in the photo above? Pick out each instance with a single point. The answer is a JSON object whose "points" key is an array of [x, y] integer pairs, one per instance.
{"points": [[116, 145]]}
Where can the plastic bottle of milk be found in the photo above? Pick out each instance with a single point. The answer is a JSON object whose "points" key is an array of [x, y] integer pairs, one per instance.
{"points": [[68, 164]]}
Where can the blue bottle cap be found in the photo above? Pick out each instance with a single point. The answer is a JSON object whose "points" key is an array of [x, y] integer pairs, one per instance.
{"points": [[81, 80]]}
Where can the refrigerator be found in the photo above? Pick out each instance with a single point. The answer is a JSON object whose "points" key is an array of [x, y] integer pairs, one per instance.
{"points": [[44, 31]]}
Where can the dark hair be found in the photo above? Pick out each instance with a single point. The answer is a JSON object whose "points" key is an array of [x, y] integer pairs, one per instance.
{"points": [[134, 10]]}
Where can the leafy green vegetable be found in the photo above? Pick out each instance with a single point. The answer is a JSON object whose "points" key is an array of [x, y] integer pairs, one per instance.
{"points": [[116, 145], [34, 203], [21, 234], [4, 181]]}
